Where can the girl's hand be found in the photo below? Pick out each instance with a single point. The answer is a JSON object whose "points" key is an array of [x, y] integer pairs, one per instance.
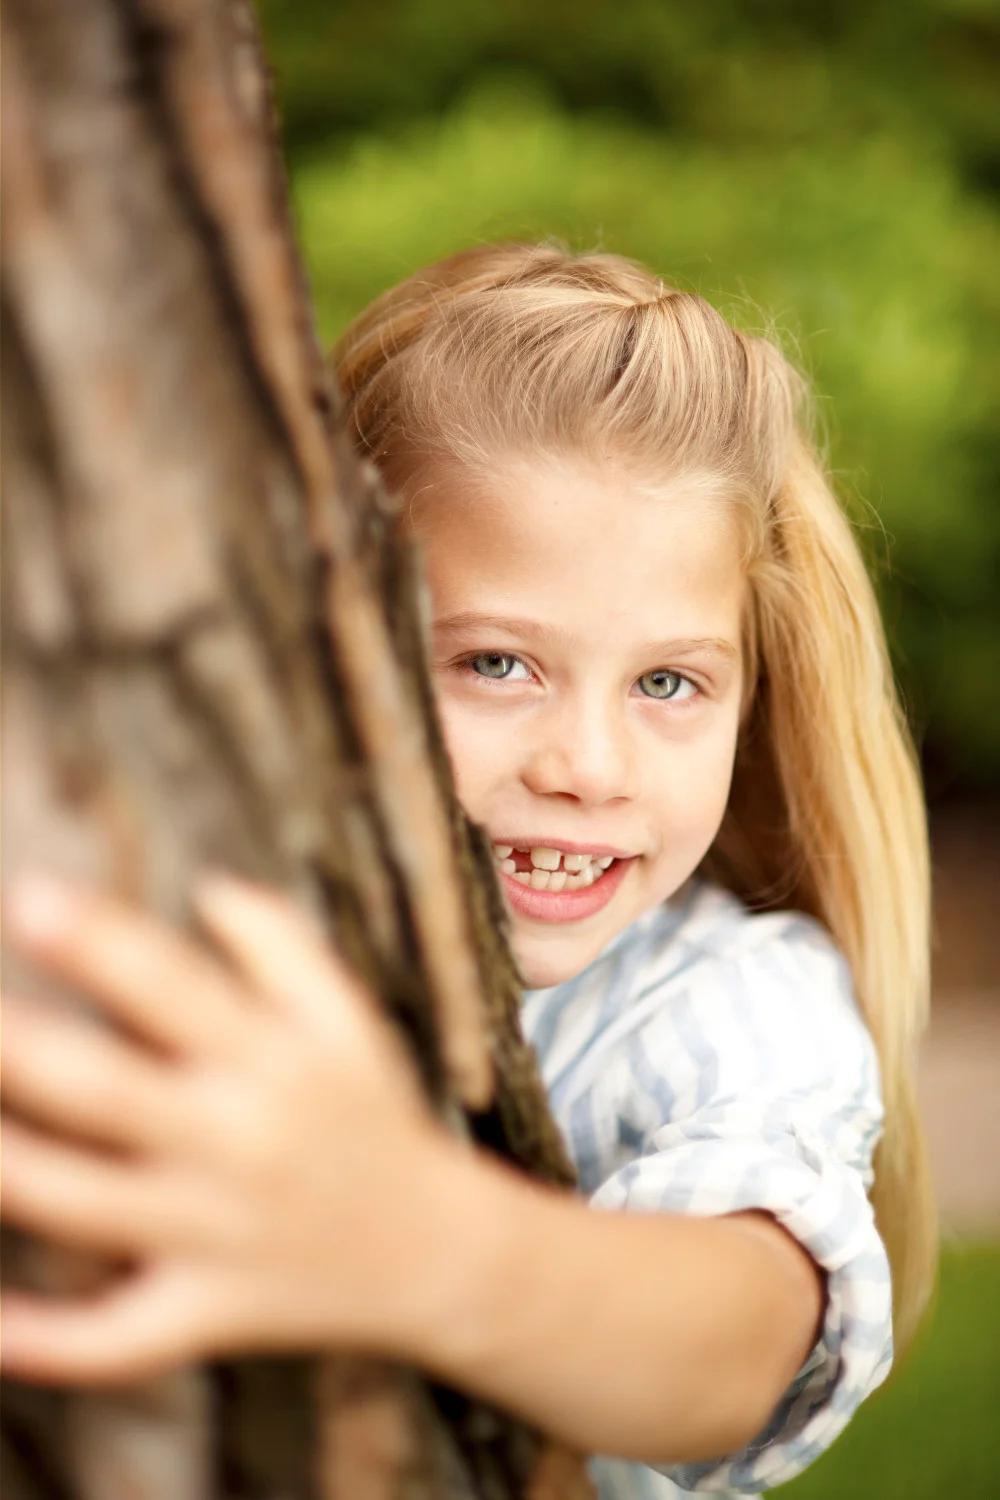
{"points": [[251, 1137]]}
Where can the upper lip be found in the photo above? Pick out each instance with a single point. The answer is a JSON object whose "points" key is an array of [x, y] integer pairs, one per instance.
{"points": [[565, 846]]}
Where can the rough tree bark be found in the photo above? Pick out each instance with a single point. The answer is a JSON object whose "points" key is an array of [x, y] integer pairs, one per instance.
{"points": [[213, 653]]}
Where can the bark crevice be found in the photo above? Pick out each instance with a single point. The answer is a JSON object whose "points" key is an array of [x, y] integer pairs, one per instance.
{"points": [[212, 646]]}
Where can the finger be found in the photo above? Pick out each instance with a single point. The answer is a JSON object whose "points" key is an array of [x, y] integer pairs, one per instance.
{"points": [[146, 974], [135, 1328], [280, 951], [78, 1198], [74, 1075]]}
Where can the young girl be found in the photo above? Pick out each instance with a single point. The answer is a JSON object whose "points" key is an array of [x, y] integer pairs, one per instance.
{"points": [[665, 692]]}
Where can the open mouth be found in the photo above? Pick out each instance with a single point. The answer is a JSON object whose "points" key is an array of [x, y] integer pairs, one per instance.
{"points": [[547, 884], [546, 869]]}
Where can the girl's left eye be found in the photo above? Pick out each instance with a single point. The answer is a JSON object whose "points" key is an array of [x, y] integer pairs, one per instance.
{"points": [[664, 684], [498, 666]]}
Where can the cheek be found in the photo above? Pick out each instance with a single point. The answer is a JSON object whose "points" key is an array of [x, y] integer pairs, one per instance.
{"points": [[695, 791], [478, 753]]}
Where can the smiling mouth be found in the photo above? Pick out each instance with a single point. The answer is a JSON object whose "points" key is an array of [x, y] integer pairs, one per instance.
{"points": [[544, 868]]}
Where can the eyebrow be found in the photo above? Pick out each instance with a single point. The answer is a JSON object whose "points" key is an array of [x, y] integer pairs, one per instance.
{"points": [[715, 646]]}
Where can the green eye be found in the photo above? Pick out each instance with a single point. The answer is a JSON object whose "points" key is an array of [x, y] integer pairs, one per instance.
{"points": [[661, 684], [493, 664]]}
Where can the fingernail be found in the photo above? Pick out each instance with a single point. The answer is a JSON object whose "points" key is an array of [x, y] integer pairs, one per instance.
{"points": [[38, 905]]}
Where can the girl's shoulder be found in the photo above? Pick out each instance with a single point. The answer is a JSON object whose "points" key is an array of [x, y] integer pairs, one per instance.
{"points": [[702, 987], [706, 935], [733, 1005], [706, 916]]}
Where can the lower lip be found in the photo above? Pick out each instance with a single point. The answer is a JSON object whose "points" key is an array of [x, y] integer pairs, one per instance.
{"points": [[565, 906]]}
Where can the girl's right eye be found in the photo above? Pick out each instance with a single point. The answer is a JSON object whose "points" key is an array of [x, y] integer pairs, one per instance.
{"points": [[498, 666]]}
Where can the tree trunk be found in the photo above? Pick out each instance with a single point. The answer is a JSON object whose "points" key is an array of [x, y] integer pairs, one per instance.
{"points": [[213, 655]]}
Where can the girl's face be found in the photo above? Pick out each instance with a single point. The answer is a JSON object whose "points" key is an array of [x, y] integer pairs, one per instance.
{"points": [[588, 674]]}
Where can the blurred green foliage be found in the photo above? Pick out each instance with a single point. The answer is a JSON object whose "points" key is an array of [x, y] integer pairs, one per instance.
{"points": [[932, 1432], [829, 172]]}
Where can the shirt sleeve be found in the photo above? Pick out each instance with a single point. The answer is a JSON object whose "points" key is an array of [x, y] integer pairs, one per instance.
{"points": [[780, 1112]]}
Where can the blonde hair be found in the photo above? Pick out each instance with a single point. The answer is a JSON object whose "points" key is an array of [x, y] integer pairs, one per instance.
{"points": [[521, 349]]}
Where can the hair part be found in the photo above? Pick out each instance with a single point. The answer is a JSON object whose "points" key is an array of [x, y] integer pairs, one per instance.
{"points": [[523, 350]]}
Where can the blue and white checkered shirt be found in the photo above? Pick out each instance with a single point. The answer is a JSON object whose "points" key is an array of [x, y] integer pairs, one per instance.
{"points": [[710, 1061]]}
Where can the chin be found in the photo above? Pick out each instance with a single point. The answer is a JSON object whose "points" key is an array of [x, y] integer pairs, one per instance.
{"points": [[542, 967]]}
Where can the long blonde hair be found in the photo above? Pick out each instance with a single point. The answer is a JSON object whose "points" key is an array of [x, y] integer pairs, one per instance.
{"points": [[525, 349]]}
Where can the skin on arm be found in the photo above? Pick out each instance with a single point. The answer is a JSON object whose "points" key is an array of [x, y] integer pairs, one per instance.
{"points": [[656, 1337], [653, 1337]]}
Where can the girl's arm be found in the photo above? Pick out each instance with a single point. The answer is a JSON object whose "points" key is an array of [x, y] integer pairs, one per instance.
{"points": [[278, 1179], [655, 1337]]}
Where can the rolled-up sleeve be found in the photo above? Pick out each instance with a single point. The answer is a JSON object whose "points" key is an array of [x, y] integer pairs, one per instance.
{"points": [[780, 1112]]}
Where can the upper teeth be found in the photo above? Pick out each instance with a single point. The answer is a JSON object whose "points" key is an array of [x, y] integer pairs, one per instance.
{"points": [[548, 859], [552, 869]]}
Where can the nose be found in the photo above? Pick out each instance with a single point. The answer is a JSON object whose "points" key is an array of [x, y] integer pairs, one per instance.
{"points": [[582, 750]]}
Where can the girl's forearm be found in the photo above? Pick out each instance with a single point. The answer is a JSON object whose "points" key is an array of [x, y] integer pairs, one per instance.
{"points": [[658, 1337]]}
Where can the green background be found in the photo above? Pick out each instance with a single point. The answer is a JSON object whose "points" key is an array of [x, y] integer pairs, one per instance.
{"points": [[931, 1433], [830, 172]]}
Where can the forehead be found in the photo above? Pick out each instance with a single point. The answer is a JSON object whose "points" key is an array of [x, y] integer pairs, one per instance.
{"points": [[562, 537]]}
